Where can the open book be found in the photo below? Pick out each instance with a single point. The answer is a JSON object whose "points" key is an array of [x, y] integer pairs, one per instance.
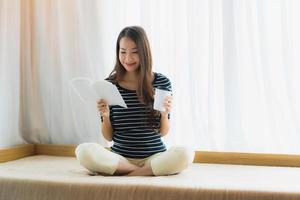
{"points": [[90, 90]]}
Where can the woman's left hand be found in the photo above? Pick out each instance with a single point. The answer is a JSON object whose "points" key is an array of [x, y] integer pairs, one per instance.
{"points": [[167, 105]]}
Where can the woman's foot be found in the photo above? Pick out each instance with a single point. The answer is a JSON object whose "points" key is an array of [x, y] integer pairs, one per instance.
{"points": [[125, 167], [145, 170]]}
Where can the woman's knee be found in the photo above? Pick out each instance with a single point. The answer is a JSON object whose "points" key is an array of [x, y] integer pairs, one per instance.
{"points": [[181, 156], [175, 160], [82, 150], [96, 158]]}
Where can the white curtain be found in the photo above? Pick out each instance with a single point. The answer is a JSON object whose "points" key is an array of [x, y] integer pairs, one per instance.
{"points": [[233, 65], [9, 72]]}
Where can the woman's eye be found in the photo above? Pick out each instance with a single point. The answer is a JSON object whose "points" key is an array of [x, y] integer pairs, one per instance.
{"points": [[134, 52], [122, 52]]}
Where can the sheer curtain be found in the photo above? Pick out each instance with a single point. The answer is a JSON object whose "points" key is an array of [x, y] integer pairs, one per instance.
{"points": [[233, 66], [9, 73], [64, 42]]}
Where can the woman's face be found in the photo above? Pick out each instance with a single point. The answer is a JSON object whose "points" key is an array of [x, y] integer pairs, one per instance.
{"points": [[128, 54]]}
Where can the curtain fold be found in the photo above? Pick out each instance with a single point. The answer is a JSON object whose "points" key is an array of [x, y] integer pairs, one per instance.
{"points": [[234, 68], [9, 72], [59, 51], [32, 116]]}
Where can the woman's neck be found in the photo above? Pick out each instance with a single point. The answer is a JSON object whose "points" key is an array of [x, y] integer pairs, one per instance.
{"points": [[130, 77]]}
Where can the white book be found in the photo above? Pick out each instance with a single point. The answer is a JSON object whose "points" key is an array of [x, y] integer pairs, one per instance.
{"points": [[90, 90]]}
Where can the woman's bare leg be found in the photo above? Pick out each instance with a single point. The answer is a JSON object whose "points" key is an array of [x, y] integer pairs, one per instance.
{"points": [[145, 170], [125, 167]]}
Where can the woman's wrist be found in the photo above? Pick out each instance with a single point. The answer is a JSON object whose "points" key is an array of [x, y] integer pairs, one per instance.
{"points": [[164, 115], [105, 118]]}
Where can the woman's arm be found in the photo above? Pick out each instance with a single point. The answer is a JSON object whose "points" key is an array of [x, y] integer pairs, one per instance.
{"points": [[164, 120], [107, 130], [164, 125]]}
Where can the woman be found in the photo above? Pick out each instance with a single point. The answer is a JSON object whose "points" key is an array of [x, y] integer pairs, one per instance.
{"points": [[137, 130]]}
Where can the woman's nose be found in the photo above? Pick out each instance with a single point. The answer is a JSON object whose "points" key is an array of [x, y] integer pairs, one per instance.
{"points": [[128, 57]]}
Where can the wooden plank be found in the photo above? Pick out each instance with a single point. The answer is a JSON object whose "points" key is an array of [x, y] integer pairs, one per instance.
{"points": [[247, 158], [20, 151], [200, 156], [16, 152], [55, 149]]}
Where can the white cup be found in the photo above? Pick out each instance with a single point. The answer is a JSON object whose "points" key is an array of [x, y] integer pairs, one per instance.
{"points": [[159, 98]]}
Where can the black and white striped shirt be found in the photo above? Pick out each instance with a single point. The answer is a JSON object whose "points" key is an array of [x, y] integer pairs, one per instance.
{"points": [[133, 137]]}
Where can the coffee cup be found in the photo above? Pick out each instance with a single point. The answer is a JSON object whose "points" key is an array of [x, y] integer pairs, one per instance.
{"points": [[159, 98]]}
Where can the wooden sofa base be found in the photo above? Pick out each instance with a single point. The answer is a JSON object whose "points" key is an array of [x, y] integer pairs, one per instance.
{"points": [[20, 151]]}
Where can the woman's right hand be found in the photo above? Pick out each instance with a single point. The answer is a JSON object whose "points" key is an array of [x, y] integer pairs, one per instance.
{"points": [[103, 108]]}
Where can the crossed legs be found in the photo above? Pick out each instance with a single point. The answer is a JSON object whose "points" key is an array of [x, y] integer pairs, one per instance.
{"points": [[96, 158]]}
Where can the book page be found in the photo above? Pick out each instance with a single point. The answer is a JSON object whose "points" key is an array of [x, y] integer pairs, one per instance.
{"points": [[108, 91], [92, 91], [82, 87]]}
